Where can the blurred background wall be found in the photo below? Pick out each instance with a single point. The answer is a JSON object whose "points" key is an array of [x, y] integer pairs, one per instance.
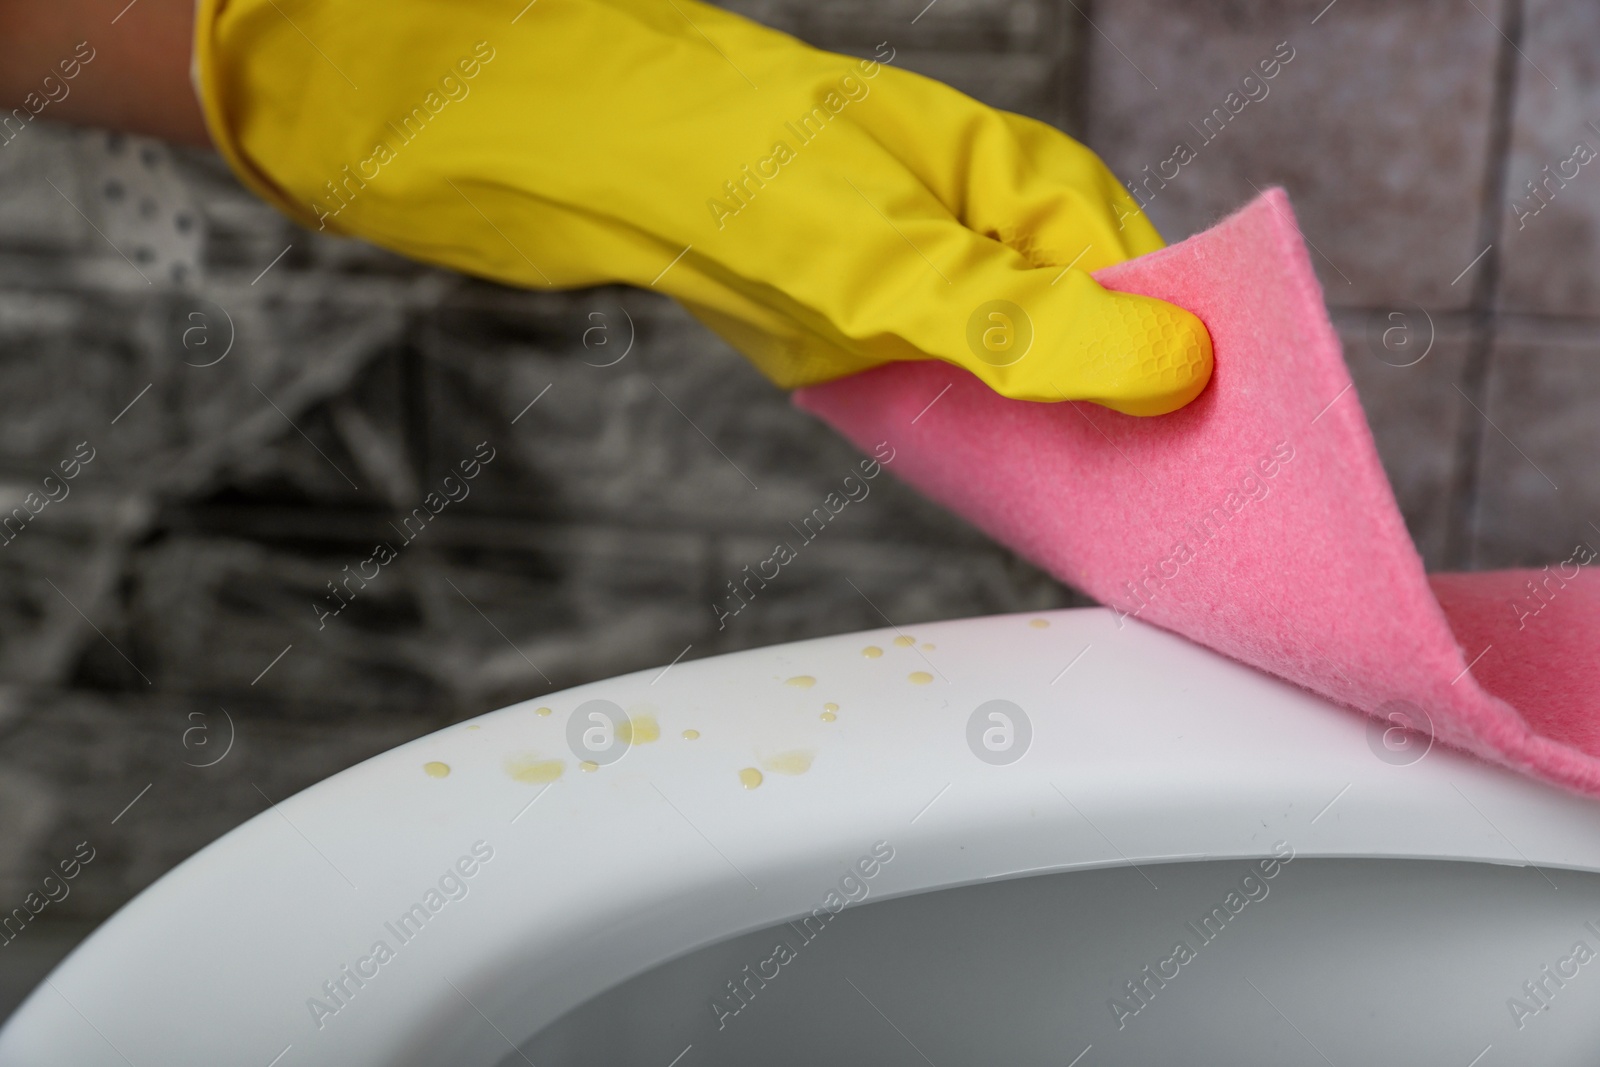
{"points": [[261, 403]]}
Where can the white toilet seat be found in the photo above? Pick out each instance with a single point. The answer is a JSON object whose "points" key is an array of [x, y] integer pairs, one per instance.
{"points": [[1145, 748]]}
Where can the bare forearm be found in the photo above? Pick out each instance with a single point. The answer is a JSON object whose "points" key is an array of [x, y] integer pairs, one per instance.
{"points": [[101, 63]]}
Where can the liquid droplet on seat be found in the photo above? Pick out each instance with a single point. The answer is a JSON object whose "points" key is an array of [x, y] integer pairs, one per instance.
{"points": [[795, 762], [531, 768]]}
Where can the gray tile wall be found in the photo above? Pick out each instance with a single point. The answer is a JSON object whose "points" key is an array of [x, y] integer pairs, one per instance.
{"points": [[168, 601]]}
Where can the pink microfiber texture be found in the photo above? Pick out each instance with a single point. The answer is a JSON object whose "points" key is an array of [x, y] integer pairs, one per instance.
{"points": [[1257, 520]]}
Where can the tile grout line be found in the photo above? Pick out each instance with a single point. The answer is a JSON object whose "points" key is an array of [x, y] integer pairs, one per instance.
{"points": [[1465, 481], [1072, 52]]}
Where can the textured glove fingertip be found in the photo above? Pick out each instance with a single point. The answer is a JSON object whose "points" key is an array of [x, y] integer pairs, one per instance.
{"points": [[1169, 358]]}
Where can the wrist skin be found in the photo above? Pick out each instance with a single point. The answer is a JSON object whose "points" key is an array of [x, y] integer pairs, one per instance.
{"points": [[100, 63]]}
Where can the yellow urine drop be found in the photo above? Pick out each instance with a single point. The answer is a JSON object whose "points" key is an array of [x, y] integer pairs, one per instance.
{"points": [[796, 762], [830, 706], [801, 681], [927, 647], [920, 677], [639, 730], [829, 716], [434, 769], [690, 735], [589, 766], [474, 727], [872, 652], [535, 770], [543, 713], [905, 640], [749, 777], [1039, 624]]}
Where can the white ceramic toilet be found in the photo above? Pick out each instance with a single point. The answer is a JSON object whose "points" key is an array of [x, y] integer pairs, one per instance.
{"points": [[983, 846]]}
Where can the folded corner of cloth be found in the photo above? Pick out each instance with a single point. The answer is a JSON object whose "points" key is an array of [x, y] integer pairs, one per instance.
{"points": [[1257, 520]]}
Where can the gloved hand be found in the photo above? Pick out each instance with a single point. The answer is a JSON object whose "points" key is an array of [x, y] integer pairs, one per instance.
{"points": [[823, 214]]}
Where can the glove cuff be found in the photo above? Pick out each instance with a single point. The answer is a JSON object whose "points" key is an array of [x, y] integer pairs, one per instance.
{"points": [[208, 71]]}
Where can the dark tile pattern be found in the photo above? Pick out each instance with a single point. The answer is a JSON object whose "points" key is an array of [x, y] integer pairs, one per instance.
{"points": [[1539, 494], [1551, 213], [1377, 125]]}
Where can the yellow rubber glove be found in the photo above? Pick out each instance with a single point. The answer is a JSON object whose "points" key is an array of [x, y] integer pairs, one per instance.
{"points": [[823, 214]]}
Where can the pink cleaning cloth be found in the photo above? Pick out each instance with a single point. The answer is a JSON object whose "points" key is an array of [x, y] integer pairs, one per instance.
{"points": [[1257, 520]]}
